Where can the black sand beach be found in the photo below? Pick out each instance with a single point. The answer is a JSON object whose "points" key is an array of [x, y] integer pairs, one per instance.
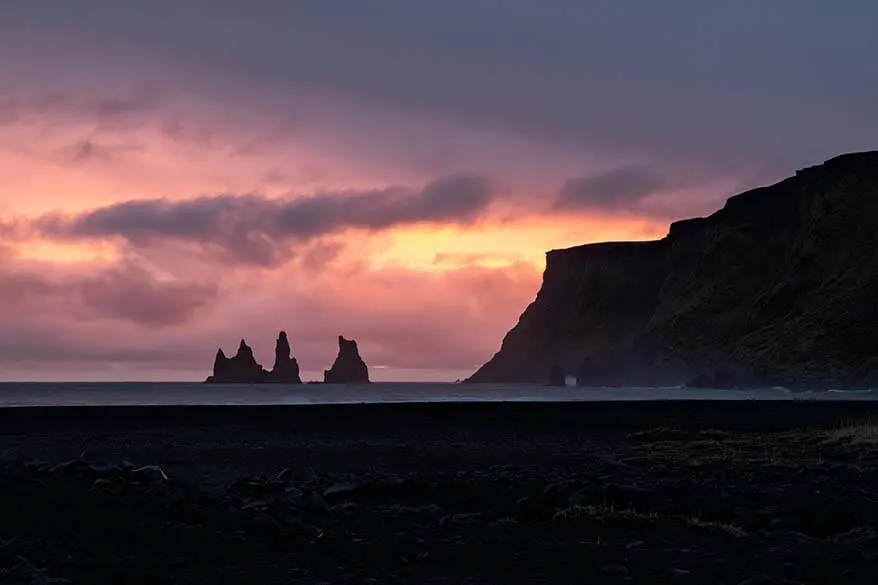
{"points": [[636, 492]]}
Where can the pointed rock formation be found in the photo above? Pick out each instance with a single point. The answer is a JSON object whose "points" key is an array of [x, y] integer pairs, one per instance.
{"points": [[220, 368], [241, 368], [349, 367], [286, 368]]}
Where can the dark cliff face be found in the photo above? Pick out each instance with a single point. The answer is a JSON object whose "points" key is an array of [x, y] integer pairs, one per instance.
{"points": [[594, 300], [349, 367], [778, 287]]}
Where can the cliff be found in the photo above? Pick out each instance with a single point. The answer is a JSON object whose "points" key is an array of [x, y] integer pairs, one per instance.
{"points": [[777, 287]]}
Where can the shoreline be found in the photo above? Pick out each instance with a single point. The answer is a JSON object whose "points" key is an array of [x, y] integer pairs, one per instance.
{"points": [[622, 414], [689, 492], [148, 394]]}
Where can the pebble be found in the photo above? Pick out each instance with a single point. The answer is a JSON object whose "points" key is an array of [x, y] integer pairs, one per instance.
{"points": [[615, 569], [10, 455], [530, 510], [341, 488], [101, 483], [149, 473], [758, 580]]}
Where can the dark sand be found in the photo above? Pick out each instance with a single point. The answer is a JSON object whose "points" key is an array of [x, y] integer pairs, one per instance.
{"points": [[658, 492]]}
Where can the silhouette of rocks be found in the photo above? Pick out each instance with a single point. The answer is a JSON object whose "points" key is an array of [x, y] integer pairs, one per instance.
{"points": [[349, 367], [242, 368], [286, 368]]}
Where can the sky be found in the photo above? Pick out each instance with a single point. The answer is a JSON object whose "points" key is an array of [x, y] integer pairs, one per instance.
{"points": [[179, 175]]}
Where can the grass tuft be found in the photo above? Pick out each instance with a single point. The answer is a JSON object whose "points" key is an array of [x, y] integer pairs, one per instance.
{"points": [[603, 512], [718, 526], [863, 432], [577, 511]]}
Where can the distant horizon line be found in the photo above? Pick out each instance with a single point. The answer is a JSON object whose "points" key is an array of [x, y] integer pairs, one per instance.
{"points": [[387, 375], [259, 384]]}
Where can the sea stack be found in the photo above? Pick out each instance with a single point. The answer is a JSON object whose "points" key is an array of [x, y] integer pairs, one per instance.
{"points": [[241, 368], [286, 368], [349, 367]]}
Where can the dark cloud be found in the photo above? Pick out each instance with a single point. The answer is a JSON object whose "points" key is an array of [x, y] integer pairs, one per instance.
{"points": [[611, 190], [103, 111], [258, 230], [110, 109], [125, 292], [85, 150], [729, 83], [133, 294], [42, 348], [189, 132], [90, 150], [320, 255], [20, 288], [456, 199], [92, 318]]}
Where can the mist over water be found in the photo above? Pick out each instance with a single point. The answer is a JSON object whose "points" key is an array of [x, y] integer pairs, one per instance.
{"points": [[18, 394]]}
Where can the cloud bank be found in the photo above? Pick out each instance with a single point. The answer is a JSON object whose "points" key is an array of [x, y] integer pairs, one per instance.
{"points": [[258, 230], [593, 121], [614, 189]]}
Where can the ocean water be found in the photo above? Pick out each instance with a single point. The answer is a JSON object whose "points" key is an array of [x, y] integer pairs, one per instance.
{"points": [[18, 394]]}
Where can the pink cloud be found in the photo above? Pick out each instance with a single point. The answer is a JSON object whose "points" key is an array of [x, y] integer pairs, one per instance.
{"points": [[59, 320]]}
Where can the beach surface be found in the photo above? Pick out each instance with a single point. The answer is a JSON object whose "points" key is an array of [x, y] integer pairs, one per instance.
{"points": [[604, 492]]}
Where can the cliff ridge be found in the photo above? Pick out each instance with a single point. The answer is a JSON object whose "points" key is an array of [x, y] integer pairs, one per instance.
{"points": [[779, 286]]}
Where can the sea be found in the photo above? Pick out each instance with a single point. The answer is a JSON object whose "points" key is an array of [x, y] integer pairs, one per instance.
{"points": [[23, 394]]}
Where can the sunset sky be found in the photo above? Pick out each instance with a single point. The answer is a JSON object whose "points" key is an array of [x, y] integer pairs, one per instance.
{"points": [[181, 174]]}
